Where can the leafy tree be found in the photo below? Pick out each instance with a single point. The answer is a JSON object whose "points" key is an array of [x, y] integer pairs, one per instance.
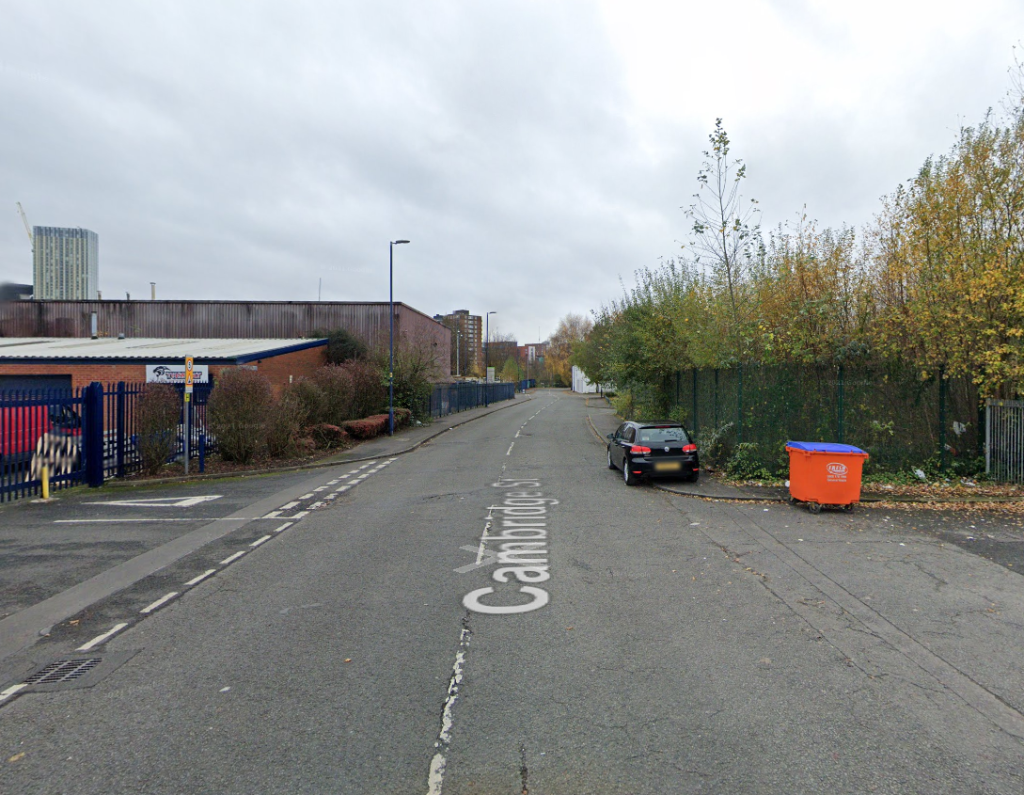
{"points": [[724, 227], [572, 330], [509, 370], [342, 345]]}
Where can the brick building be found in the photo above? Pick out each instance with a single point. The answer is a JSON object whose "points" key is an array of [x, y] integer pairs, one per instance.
{"points": [[39, 362]]}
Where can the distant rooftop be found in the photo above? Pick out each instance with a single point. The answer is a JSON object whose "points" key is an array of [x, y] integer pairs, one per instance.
{"points": [[238, 351]]}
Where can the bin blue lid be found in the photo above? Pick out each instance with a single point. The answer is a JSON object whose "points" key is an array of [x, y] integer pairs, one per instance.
{"points": [[825, 447]]}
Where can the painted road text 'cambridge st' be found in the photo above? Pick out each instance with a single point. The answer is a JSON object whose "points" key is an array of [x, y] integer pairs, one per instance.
{"points": [[519, 548]]}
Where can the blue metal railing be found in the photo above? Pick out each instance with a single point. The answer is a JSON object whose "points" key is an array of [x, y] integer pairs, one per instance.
{"points": [[452, 398]]}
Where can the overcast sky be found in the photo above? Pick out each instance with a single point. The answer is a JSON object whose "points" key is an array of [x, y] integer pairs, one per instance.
{"points": [[533, 152]]}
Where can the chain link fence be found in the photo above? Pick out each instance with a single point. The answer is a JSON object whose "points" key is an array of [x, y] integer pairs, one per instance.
{"points": [[904, 420]]}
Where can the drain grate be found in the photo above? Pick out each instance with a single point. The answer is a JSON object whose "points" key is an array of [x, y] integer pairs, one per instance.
{"points": [[81, 670], [63, 671]]}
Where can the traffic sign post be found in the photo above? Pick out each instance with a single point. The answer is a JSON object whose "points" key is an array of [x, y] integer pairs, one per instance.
{"points": [[187, 407]]}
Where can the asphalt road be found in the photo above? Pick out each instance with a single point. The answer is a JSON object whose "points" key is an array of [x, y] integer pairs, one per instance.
{"points": [[641, 642]]}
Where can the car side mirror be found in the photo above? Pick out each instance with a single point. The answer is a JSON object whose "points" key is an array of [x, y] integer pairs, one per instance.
{"points": [[611, 436]]}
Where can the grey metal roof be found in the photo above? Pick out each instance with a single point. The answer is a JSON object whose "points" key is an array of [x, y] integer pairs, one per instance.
{"points": [[146, 348]]}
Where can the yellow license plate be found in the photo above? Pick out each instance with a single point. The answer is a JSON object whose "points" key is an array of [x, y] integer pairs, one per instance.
{"points": [[667, 466]]}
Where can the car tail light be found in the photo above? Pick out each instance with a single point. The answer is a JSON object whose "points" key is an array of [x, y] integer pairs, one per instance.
{"points": [[637, 449], [690, 448]]}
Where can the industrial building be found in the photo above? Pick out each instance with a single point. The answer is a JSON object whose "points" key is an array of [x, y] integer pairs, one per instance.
{"points": [[251, 320], [63, 363]]}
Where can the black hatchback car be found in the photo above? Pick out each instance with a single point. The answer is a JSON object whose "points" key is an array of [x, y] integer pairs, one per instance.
{"points": [[653, 449]]}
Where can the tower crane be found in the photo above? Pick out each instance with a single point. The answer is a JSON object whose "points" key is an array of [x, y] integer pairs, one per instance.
{"points": [[24, 220]]}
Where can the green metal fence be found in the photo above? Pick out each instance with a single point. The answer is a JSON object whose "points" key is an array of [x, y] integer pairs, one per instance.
{"points": [[901, 418]]}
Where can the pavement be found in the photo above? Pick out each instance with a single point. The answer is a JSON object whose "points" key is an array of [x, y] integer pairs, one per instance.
{"points": [[404, 441]]}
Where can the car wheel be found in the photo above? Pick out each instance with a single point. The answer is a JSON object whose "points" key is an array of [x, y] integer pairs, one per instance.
{"points": [[694, 477], [610, 464], [627, 476]]}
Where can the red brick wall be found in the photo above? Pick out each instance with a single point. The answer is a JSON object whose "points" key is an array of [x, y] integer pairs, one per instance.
{"points": [[279, 369]]}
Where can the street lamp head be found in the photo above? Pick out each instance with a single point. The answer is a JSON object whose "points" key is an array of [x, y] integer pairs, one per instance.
{"points": [[493, 312], [398, 242]]}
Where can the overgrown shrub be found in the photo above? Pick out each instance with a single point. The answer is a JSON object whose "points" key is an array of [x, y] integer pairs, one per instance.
{"points": [[336, 388], [157, 416], [327, 436], [238, 411], [747, 463], [338, 393], [283, 425], [368, 428], [310, 401], [342, 345], [713, 444], [369, 389]]}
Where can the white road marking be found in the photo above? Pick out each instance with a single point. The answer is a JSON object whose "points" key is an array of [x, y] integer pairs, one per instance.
{"points": [[340, 489], [5, 694], [159, 519], [285, 526], [92, 644], [259, 541], [319, 488], [316, 505], [161, 502], [159, 603], [299, 515], [289, 505], [201, 577], [435, 778], [233, 558], [272, 515], [306, 496], [509, 451]]}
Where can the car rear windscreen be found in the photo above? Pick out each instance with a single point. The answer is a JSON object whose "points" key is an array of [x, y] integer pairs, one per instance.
{"points": [[663, 435]]}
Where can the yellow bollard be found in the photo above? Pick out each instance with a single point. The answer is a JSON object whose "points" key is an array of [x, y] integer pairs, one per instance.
{"points": [[46, 481]]}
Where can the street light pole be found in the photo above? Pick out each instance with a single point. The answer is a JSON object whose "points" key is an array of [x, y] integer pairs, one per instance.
{"points": [[391, 334]]}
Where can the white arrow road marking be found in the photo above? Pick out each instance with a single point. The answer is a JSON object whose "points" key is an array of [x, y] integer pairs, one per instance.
{"points": [[485, 559], [162, 502]]}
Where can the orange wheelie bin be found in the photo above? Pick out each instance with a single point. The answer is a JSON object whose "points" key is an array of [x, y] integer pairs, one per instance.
{"points": [[825, 473]]}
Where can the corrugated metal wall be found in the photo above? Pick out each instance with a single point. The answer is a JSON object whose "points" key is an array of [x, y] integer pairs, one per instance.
{"points": [[221, 319]]}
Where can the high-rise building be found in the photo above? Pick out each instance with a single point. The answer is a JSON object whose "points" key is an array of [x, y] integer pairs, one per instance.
{"points": [[65, 264], [467, 352]]}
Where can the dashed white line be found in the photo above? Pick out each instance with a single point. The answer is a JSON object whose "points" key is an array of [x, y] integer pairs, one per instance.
{"points": [[159, 603], [306, 497], [92, 644], [5, 694], [285, 526], [300, 514], [319, 488], [233, 558], [509, 451], [272, 515], [201, 577], [316, 505], [259, 541], [289, 505]]}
